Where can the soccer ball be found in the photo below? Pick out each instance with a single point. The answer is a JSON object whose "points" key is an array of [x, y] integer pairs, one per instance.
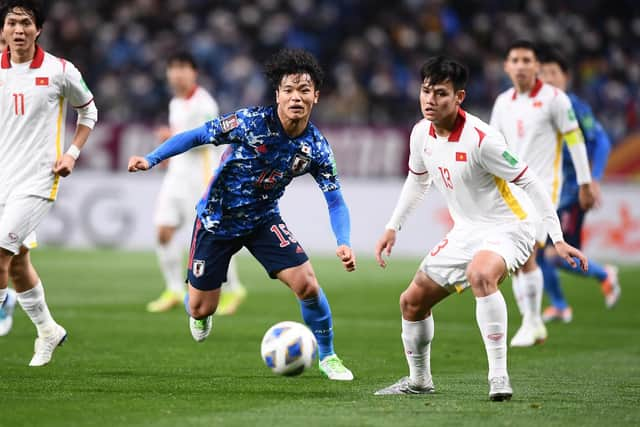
{"points": [[288, 348]]}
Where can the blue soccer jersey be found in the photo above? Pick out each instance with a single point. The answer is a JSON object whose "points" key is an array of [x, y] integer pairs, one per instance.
{"points": [[259, 162], [598, 147]]}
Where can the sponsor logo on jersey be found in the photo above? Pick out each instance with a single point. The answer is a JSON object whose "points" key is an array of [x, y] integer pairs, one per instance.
{"points": [[42, 81], [198, 267], [461, 156], [300, 164], [229, 123], [13, 237], [510, 158]]}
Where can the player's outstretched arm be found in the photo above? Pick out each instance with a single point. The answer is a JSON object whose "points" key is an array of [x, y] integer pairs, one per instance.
{"points": [[138, 163], [384, 246], [341, 225], [568, 252]]}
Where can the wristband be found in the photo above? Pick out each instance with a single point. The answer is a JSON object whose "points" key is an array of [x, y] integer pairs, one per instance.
{"points": [[73, 151]]}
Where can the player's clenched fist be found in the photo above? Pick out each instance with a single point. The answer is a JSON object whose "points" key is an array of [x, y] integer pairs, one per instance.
{"points": [[137, 163], [347, 257]]}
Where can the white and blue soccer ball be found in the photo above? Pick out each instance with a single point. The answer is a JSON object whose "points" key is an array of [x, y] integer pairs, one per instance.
{"points": [[288, 348]]}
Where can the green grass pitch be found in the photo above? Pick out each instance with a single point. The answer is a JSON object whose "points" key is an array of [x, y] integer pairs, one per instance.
{"points": [[123, 366]]}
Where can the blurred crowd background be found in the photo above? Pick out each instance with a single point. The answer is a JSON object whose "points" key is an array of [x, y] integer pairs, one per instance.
{"points": [[371, 51]]}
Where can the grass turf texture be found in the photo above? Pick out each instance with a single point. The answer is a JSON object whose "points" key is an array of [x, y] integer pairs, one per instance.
{"points": [[123, 366]]}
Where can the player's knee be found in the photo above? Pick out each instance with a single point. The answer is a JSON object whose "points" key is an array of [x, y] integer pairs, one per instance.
{"points": [[304, 284], [411, 307], [482, 280]]}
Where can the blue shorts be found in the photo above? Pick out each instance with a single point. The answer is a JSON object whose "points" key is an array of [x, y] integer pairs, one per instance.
{"points": [[571, 221], [271, 244]]}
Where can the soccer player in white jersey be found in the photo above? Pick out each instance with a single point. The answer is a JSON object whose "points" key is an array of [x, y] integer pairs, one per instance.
{"points": [[186, 179], [535, 118], [35, 88], [471, 165]]}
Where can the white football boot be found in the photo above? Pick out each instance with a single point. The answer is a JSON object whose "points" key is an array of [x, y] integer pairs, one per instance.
{"points": [[500, 389], [45, 345], [530, 334], [200, 328], [404, 386]]}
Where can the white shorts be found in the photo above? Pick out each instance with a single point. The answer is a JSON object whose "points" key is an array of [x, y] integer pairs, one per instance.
{"points": [[447, 262], [19, 218], [176, 204]]}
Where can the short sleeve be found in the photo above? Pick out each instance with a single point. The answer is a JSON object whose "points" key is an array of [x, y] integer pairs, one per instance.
{"points": [[75, 89], [562, 113], [416, 164], [498, 160], [324, 169]]}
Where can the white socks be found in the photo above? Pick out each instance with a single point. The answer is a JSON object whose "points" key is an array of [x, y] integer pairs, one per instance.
{"points": [[518, 294], [3, 295], [531, 286], [170, 261], [417, 337], [491, 315], [34, 304], [233, 280]]}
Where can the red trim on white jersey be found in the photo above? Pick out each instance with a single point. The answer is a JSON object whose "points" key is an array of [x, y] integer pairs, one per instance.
{"points": [[481, 135], [64, 64], [417, 173], [534, 90], [191, 93], [520, 174], [36, 62], [5, 59], [458, 125], [83, 105]]}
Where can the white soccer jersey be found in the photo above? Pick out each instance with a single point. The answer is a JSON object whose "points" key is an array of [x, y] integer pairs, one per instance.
{"points": [[533, 124], [472, 168], [33, 105], [195, 165]]}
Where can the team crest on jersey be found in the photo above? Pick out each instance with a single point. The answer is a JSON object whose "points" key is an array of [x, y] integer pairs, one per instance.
{"points": [[300, 164], [198, 267], [229, 123]]}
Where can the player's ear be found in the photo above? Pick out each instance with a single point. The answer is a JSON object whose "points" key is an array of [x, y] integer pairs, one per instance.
{"points": [[460, 95], [316, 96]]}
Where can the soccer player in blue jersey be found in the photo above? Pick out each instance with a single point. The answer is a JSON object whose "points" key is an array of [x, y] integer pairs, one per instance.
{"points": [[555, 71], [267, 146]]}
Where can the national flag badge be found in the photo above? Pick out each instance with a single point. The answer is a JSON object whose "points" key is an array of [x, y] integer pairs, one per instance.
{"points": [[198, 267], [537, 104], [461, 156], [42, 81]]}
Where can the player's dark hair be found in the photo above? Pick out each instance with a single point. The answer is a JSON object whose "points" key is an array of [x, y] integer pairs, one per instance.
{"points": [[440, 69], [182, 57], [32, 7], [522, 44], [550, 55], [293, 61]]}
